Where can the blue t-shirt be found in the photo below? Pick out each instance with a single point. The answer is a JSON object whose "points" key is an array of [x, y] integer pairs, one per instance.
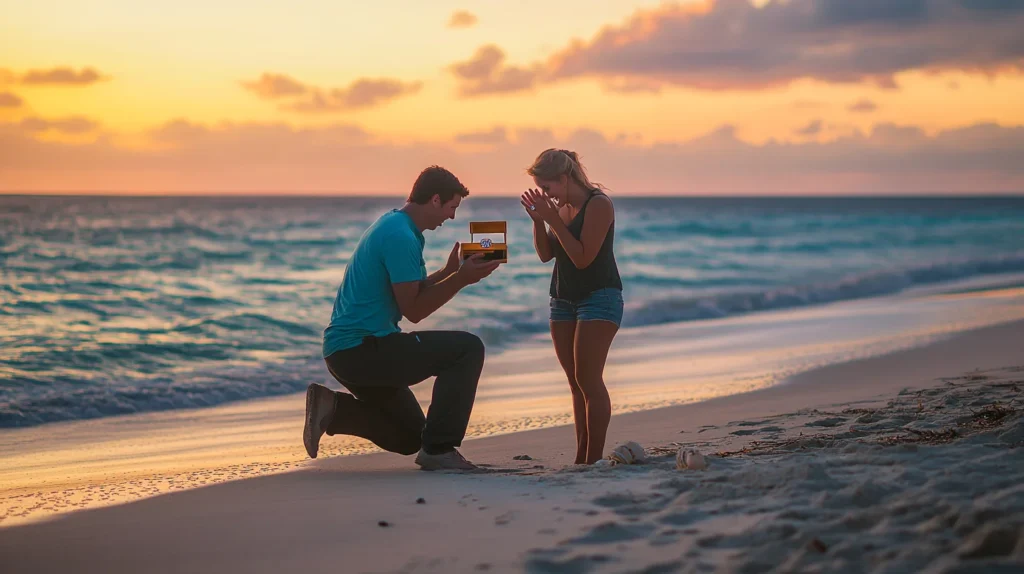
{"points": [[390, 251]]}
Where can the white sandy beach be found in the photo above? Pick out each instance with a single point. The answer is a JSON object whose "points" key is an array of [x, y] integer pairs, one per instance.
{"points": [[878, 464]]}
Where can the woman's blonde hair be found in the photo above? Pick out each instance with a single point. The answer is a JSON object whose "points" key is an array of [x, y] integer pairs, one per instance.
{"points": [[552, 163]]}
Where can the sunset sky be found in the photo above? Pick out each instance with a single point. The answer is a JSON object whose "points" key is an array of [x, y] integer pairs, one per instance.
{"points": [[716, 97]]}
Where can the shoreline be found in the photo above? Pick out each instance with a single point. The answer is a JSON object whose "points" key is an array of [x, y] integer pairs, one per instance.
{"points": [[519, 517], [68, 466]]}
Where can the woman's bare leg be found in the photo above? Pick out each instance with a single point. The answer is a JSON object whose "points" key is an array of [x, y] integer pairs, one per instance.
{"points": [[593, 339], [563, 333]]}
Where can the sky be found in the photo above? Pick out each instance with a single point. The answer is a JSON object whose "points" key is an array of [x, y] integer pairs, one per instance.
{"points": [[336, 97]]}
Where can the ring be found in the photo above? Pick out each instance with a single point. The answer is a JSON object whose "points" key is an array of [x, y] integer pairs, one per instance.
{"points": [[533, 208]]}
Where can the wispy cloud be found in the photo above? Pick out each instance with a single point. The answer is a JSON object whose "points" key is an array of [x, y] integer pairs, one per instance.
{"points": [[811, 129], [362, 93], [863, 105], [9, 100], [487, 73], [68, 125], [272, 86], [462, 19], [62, 76]]}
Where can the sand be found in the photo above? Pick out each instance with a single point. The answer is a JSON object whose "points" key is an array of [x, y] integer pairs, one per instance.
{"points": [[910, 461]]}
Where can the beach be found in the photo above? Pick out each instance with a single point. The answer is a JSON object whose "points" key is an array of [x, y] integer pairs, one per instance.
{"points": [[806, 361], [875, 464]]}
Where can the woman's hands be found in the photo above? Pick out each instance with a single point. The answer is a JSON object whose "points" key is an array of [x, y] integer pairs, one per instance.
{"points": [[539, 206]]}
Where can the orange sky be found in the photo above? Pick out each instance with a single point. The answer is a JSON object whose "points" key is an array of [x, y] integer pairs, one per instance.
{"points": [[805, 96]]}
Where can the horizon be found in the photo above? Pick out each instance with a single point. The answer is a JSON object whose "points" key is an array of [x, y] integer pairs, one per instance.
{"points": [[693, 97], [401, 196]]}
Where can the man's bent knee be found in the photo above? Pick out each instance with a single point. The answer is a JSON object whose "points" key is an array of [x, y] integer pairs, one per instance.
{"points": [[473, 345]]}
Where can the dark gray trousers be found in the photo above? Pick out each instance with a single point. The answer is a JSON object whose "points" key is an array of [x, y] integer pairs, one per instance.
{"points": [[382, 407]]}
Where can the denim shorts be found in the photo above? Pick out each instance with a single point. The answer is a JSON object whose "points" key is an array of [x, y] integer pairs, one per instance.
{"points": [[601, 305]]}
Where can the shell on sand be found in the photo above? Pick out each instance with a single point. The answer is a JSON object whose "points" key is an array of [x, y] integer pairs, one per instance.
{"points": [[689, 459], [628, 453]]}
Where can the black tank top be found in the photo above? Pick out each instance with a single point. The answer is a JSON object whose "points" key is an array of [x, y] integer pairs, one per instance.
{"points": [[573, 284]]}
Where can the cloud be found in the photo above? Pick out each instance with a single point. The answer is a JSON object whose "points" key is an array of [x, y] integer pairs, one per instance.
{"points": [[496, 135], [812, 129], [9, 100], [486, 73], [733, 44], [245, 157], [62, 76], [632, 86], [68, 125], [362, 93], [272, 86], [462, 19], [862, 105]]}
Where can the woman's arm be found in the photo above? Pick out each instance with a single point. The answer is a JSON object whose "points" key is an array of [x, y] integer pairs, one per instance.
{"points": [[542, 241], [541, 235], [582, 251]]}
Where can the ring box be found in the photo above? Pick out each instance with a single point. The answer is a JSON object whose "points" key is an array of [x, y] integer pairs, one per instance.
{"points": [[493, 250]]}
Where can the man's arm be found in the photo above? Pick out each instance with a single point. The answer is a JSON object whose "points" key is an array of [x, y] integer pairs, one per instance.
{"points": [[436, 277], [417, 301], [443, 273]]}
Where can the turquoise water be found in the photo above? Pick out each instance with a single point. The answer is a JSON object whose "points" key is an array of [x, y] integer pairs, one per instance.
{"points": [[123, 305]]}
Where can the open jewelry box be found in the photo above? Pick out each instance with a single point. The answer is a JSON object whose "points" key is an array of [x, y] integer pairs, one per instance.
{"points": [[493, 248]]}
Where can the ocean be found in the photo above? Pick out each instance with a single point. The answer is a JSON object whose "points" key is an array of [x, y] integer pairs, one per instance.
{"points": [[117, 305]]}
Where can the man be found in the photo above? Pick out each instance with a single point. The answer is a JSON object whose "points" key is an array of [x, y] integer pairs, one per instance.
{"points": [[369, 355]]}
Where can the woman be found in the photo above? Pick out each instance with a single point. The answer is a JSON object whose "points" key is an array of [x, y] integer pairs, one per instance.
{"points": [[574, 223]]}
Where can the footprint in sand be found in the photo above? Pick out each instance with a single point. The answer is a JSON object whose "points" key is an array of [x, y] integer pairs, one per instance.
{"points": [[829, 422], [613, 532], [575, 564], [503, 519]]}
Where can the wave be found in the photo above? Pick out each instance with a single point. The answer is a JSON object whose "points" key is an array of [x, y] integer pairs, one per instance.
{"points": [[872, 284], [96, 398]]}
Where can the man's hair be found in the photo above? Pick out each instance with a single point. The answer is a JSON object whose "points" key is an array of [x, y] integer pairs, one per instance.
{"points": [[436, 180]]}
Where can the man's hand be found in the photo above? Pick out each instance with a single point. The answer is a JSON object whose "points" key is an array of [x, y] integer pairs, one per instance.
{"points": [[453, 261], [417, 300], [474, 269]]}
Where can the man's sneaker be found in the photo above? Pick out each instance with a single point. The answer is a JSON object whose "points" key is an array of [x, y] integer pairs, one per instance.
{"points": [[319, 412], [451, 460]]}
